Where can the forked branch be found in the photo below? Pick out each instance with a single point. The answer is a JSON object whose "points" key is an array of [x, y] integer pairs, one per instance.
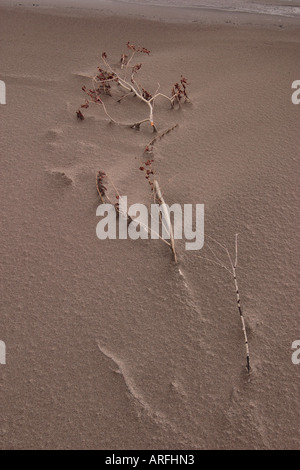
{"points": [[107, 77], [231, 269]]}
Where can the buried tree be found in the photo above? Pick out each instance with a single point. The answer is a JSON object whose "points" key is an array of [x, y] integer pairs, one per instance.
{"points": [[108, 82]]}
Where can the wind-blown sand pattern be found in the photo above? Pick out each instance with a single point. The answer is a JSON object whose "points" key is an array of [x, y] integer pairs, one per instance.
{"points": [[110, 345]]}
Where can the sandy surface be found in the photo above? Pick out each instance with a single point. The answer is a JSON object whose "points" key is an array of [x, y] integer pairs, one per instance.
{"points": [[264, 12], [108, 347]]}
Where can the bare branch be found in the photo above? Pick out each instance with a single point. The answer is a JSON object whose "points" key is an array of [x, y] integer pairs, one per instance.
{"points": [[232, 271], [104, 80], [167, 217], [236, 250]]}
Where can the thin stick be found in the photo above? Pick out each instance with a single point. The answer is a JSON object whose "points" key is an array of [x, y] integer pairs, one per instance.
{"points": [[232, 272], [167, 217], [134, 125], [239, 304], [124, 96], [132, 56], [218, 260], [161, 135]]}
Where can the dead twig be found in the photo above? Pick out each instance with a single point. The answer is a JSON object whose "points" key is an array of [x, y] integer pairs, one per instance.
{"points": [[232, 270]]}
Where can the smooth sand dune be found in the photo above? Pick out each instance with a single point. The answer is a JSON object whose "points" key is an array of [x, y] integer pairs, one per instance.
{"points": [[109, 345]]}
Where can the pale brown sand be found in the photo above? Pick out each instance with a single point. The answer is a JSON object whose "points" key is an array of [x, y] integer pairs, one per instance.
{"points": [[107, 348]]}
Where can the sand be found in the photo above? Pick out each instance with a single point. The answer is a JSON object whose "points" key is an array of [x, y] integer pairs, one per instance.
{"points": [[108, 346]]}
